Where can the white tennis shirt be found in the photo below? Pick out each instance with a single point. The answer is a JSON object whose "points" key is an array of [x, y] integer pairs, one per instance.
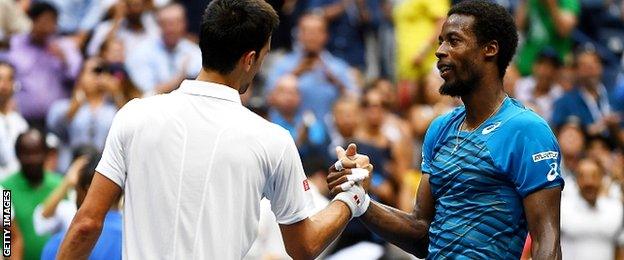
{"points": [[194, 165]]}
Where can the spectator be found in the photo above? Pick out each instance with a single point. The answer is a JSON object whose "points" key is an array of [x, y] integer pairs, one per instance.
{"points": [[540, 90], [85, 118], [347, 23], [108, 246], [417, 25], [12, 124], [571, 137], [78, 17], [345, 122], [591, 223], [159, 66], [29, 187], [56, 212], [43, 64], [545, 23], [588, 101], [323, 78], [113, 56], [308, 132], [132, 23]]}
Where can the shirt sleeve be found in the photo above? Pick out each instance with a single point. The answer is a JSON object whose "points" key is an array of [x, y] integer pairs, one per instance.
{"points": [[288, 189], [113, 163], [429, 145], [530, 155]]}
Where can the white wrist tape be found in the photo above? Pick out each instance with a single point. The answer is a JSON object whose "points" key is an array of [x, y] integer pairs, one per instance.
{"points": [[356, 199], [338, 165]]}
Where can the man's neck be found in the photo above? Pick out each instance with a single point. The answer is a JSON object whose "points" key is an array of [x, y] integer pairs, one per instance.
{"points": [[215, 77], [483, 102], [5, 107]]}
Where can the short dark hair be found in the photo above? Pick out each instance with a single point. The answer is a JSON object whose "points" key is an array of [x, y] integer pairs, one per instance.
{"points": [[585, 51], [492, 22], [39, 8], [230, 28], [31, 131]]}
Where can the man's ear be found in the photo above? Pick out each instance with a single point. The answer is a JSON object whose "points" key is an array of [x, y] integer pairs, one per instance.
{"points": [[491, 49], [248, 60]]}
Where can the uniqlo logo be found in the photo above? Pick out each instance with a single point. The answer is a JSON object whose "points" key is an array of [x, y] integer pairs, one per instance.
{"points": [[357, 199], [306, 185]]}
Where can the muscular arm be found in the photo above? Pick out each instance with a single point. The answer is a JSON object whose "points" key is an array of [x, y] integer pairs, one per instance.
{"points": [[407, 231], [306, 239], [85, 229], [542, 210]]}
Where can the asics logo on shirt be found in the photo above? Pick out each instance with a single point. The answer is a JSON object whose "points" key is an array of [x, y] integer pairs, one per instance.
{"points": [[490, 128], [554, 172]]}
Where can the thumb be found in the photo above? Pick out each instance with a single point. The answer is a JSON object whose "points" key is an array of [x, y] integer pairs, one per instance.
{"points": [[340, 152], [351, 150]]}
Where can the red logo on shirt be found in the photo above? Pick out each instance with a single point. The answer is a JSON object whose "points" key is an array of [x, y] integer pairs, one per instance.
{"points": [[357, 199], [306, 185]]}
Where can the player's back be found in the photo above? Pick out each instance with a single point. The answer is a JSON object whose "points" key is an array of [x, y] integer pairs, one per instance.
{"points": [[198, 163], [478, 180]]}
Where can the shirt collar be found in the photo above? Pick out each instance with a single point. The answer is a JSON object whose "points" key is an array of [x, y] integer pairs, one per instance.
{"points": [[210, 89]]}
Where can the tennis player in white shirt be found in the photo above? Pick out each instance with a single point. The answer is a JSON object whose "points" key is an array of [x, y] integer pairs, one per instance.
{"points": [[194, 164]]}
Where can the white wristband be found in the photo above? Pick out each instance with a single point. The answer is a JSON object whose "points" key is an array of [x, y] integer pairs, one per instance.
{"points": [[356, 199]]}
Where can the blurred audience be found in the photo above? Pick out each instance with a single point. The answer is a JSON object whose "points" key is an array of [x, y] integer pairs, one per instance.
{"points": [[323, 78], [29, 187], [307, 131], [540, 90], [159, 66], [591, 222], [545, 23], [12, 124], [589, 102], [132, 23], [85, 118], [108, 245], [44, 63], [417, 23]]}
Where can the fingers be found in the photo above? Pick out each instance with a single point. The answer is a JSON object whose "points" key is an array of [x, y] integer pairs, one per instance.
{"points": [[340, 188], [351, 150]]}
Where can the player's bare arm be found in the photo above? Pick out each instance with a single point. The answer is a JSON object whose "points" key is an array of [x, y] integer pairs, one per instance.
{"points": [[306, 239], [85, 229], [409, 231], [542, 210]]}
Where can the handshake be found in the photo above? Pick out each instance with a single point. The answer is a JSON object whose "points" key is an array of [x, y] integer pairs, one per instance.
{"points": [[346, 179]]}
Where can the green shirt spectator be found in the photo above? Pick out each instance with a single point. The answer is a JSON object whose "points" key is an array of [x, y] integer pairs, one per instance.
{"points": [[545, 23], [24, 200]]}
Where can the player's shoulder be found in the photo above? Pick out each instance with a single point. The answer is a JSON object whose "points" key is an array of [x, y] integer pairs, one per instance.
{"points": [[445, 120], [259, 127], [521, 118]]}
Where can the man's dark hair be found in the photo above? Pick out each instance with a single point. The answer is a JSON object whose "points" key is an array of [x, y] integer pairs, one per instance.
{"points": [[230, 28], [86, 173], [30, 132], [39, 8], [492, 23]]}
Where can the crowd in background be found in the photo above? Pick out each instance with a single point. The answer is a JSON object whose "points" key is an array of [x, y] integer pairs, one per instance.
{"points": [[339, 72]]}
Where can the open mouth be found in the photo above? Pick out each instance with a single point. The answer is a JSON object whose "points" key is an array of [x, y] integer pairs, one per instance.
{"points": [[444, 70]]}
